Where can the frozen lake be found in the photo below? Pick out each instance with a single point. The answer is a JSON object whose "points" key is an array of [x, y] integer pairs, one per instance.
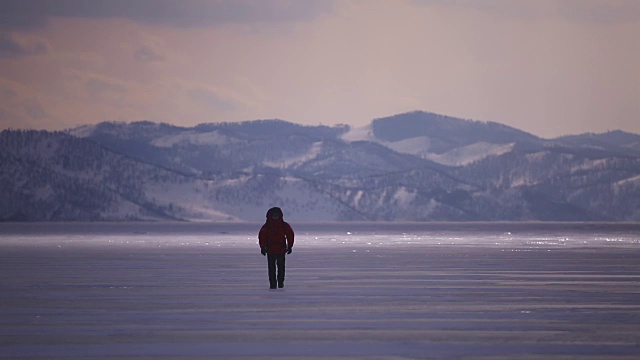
{"points": [[353, 291]]}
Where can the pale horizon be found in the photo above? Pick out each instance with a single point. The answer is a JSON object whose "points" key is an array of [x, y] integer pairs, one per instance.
{"points": [[547, 67]]}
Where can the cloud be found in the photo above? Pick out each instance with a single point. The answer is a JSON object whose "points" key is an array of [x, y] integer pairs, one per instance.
{"points": [[600, 11], [97, 86], [24, 113], [13, 47], [610, 11], [3, 115], [7, 94], [500, 8], [21, 14], [10, 120], [34, 109], [211, 100], [147, 54]]}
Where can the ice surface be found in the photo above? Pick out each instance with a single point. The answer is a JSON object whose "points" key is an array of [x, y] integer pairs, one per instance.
{"points": [[357, 291]]}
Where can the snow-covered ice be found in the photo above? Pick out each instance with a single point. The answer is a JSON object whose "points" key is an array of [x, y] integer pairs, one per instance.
{"points": [[356, 291]]}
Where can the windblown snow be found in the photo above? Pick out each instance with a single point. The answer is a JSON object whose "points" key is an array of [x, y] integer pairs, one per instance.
{"points": [[312, 153], [420, 146]]}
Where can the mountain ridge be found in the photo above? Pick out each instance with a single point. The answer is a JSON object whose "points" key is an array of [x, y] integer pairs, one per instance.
{"points": [[430, 168]]}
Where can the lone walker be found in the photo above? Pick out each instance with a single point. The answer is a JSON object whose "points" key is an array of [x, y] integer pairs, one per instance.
{"points": [[276, 240]]}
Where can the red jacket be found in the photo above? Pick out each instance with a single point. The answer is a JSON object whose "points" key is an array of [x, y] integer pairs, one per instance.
{"points": [[276, 236]]}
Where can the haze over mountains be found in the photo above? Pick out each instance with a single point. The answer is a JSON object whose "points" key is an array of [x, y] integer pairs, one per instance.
{"points": [[415, 166]]}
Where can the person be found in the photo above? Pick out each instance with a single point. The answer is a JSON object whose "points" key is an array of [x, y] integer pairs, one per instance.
{"points": [[276, 240]]}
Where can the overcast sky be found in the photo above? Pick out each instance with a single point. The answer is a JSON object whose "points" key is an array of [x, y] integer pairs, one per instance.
{"points": [[550, 67]]}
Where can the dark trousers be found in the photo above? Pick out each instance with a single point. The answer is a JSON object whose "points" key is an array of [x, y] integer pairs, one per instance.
{"points": [[276, 260]]}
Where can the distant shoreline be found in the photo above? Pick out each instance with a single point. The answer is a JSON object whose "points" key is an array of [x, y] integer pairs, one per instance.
{"points": [[128, 227]]}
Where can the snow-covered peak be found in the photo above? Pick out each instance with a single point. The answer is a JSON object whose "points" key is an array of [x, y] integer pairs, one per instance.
{"points": [[421, 146]]}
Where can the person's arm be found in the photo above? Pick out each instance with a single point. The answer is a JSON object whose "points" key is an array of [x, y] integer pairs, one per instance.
{"points": [[290, 236], [262, 241]]}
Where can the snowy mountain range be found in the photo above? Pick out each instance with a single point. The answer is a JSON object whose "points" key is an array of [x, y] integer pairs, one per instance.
{"points": [[415, 166]]}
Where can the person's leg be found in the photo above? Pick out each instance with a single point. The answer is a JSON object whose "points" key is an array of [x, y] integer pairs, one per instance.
{"points": [[271, 261], [281, 270]]}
